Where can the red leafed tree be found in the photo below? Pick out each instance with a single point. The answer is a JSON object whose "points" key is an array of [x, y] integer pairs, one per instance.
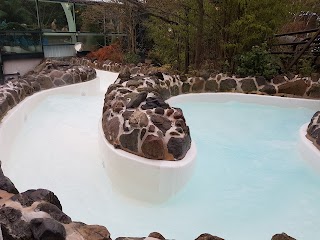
{"points": [[112, 52]]}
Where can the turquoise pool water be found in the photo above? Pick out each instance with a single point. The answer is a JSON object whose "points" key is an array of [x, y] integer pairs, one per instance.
{"points": [[250, 177], [249, 183]]}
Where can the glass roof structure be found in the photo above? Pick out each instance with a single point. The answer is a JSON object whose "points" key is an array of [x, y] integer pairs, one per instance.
{"points": [[50, 28]]}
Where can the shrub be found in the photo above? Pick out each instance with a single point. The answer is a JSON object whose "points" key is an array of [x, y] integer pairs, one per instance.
{"points": [[131, 58], [305, 66], [258, 62], [156, 57], [112, 52]]}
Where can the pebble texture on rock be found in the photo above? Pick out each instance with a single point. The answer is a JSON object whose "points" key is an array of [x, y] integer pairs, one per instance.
{"points": [[139, 92], [49, 74], [37, 215], [138, 120], [282, 85], [207, 236], [282, 236], [313, 131]]}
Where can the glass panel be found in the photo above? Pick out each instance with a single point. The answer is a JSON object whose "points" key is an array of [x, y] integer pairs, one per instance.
{"points": [[98, 18], [59, 38], [93, 21], [89, 18], [91, 41], [20, 42], [52, 17], [18, 15], [79, 9]]}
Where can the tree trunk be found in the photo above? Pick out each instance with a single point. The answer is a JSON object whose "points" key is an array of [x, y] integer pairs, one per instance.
{"points": [[132, 40], [131, 29], [199, 35], [187, 43]]}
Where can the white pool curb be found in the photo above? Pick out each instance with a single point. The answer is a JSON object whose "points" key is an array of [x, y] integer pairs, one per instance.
{"points": [[222, 97], [14, 120], [307, 149], [145, 179], [150, 180]]}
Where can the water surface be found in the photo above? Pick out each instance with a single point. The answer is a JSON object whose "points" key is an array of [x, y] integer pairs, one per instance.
{"points": [[250, 181]]}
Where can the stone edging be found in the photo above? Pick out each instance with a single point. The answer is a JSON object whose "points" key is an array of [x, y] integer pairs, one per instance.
{"points": [[37, 214], [49, 74], [138, 120], [313, 131], [281, 85], [306, 147], [144, 78]]}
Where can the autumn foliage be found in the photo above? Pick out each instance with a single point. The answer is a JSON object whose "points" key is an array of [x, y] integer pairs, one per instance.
{"points": [[112, 52]]}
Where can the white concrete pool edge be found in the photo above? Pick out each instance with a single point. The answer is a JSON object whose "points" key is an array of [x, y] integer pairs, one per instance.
{"points": [[145, 179], [221, 97], [14, 120], [309, 152], [307, 149], [159, 179]]}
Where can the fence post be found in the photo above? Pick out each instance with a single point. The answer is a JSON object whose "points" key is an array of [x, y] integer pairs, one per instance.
{"points": [[306, 46], [1, 70]]}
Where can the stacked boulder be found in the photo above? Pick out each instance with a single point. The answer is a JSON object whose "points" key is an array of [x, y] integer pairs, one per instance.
{"points": [[286, 85], [282, 85], [282, 236], [137, 119], [37, 214], [171, 85], [313, 131], [49, 74]]}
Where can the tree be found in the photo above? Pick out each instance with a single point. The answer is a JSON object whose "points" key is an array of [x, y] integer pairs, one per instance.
{"points": [[200, 33], [49, 11], [224, 29], [112, 17], [14, 11]]}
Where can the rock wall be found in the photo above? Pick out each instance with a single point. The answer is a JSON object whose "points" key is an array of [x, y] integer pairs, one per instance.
{"points": [[313, 131], [37, 213], [49, 74], [282, 85], [144, 79], [137, 119]]}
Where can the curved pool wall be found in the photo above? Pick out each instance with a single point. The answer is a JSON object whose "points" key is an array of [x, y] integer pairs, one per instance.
{"points": [[12, 123], [156, 181], [14, 120], [308, 150], [145, 179], [153, 180], [131, 175], [246, 98]]}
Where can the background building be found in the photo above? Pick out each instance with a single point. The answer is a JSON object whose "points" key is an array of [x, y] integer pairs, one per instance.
{"points": [[31, 30]]}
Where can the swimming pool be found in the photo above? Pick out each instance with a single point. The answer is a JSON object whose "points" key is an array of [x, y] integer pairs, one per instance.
{"points": [[250, 181]]}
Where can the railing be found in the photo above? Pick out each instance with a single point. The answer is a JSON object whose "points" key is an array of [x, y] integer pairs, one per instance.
{"points": [[17, 42], [297, 44], [1, 70], [90, 40], [48, 43]]}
